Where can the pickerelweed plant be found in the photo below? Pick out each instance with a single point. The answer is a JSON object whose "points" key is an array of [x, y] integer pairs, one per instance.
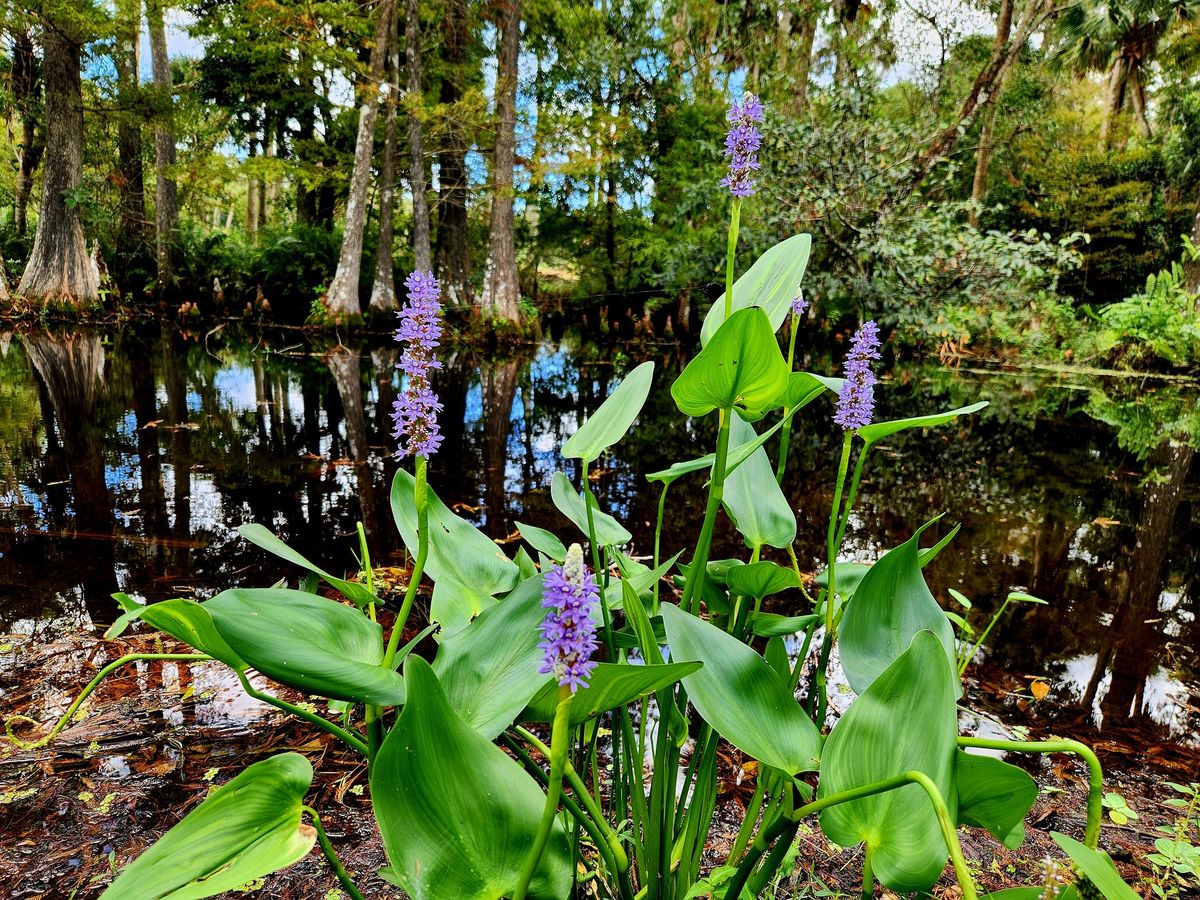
{"points": [[544, 744]]}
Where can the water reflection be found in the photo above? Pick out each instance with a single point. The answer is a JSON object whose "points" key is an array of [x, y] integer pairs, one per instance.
{"points": [[127, 461]]}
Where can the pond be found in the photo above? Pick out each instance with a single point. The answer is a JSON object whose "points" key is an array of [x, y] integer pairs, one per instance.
{"points": [[127, 460]]}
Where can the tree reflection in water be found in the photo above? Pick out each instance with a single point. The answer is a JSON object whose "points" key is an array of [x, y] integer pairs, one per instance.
{"points": [[136, 481]]}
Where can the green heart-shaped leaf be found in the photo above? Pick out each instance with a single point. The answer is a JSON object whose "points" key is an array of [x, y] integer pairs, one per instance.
{"points": [[772, 283], [994, 795], [772, 625], [245, 829], [458, 815], [753, 498], [257, 534], [608, 424], [458, 552], [489, 670], [803, 388], [892, 603], [877, 431], [610, 686], [307, 642], [740, 696], [876, 740], [761, 579], [741, 367], [609, 532]]}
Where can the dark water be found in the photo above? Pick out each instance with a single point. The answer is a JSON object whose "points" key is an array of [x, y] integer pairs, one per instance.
{"points": [[127, 461]]}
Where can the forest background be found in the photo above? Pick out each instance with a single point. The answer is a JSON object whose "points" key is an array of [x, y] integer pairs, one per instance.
{"points": [[1002, 178]]}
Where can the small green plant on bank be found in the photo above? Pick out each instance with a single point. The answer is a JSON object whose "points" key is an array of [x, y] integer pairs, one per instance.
{"points": [[549, 650], [1176, 856], [1118, 809]]}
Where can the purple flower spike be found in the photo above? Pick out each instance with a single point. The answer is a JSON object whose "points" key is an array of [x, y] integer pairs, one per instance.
{"points": [[568, 634], [741, 145], [415, 413], [856, 402], [799, 304]]}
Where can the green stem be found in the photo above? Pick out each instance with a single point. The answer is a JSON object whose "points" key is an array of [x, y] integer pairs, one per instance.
{"points": [[983, 637], [368, 574], [965, 883], [85, 693], [748, 823], [560, 739], [694, 588], [832, 547], [421, 501], [786, 433], [658, 527], [735, 216], [335, 861], [868, 878], [851, 495], [324, 724], [1083, 751], [774, 859]]}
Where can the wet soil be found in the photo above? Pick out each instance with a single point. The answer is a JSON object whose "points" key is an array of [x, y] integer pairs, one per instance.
{"points": [[152, 741]]}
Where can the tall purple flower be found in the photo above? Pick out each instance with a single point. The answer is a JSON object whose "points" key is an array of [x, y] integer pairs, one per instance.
{"points": [[799, 304], [568, 633], [741, 145], [856, 402], [415, 413]]}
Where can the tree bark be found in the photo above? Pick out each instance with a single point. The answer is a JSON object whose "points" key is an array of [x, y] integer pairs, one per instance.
{"points": [[501, 288], [1137, 94], [453, 252], [808, 33], [127, 61], [983, 153], [58, 266], [422, 255], [1118, 77], [26, 87], [166, 192], [253, 199], [342, 299], [383, 291]]}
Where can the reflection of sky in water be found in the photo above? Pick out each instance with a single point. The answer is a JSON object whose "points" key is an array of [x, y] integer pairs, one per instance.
{"points": [[253, 468]]}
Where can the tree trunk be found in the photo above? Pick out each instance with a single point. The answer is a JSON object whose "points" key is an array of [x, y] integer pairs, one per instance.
{"points": [[501, 287], [1137, 94], [422, 256], [166, 193], [453, 252], [59, 267], [26, 87], [342, 299], [383, 291], [1118, 77], [808, 34], [252, 196], [127, 61], [983, 153]]}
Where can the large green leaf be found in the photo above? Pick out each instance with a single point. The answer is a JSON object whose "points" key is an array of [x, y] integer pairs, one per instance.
{"points": [[184, 620], [608, 424], [741, 367], [753, 498], [245, 829], [772, 283], [740, 696], [892, 603], [803, 388], [877, 431], [456, 813], [761, 579], [307, 642], [774, 625], [610, 686], [458, 552], [904, 721], [489, 670], [543, 541], [609, 532], [994, 795], [257, 534]]}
